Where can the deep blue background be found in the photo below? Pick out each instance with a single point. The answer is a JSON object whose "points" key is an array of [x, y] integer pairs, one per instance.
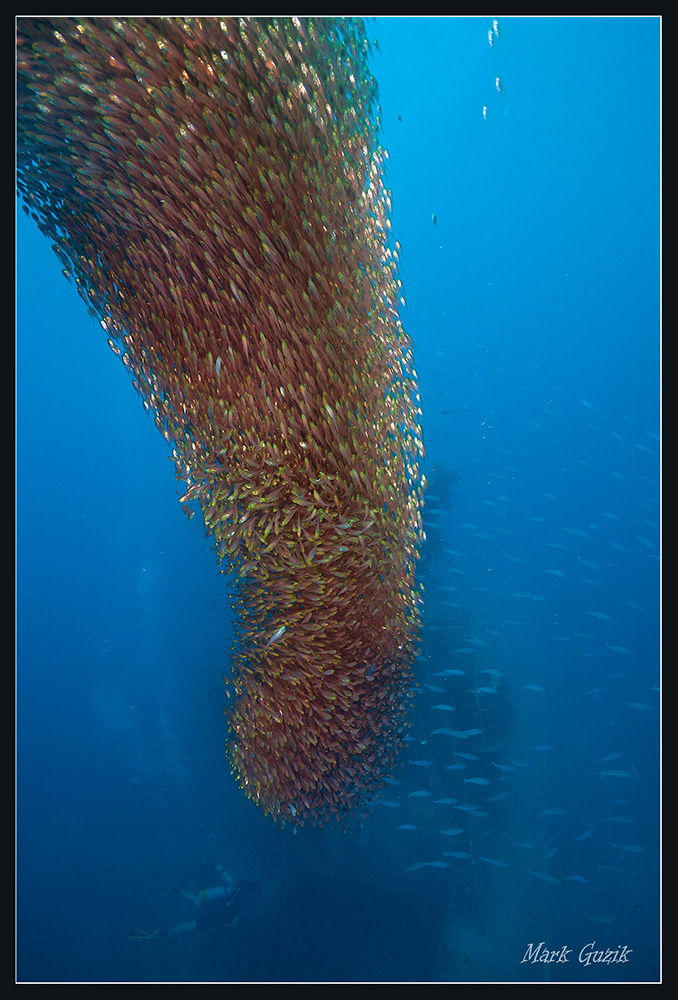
{"points": [[534, 309]]}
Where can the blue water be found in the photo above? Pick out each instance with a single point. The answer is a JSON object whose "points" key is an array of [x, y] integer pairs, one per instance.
{"points": [[533, 305]]}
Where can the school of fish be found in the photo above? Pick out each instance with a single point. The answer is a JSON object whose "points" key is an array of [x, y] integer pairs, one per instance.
{"points": [[215, 190]]}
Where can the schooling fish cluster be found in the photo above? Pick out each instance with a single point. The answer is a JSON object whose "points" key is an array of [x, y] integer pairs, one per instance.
{"points": [[215, 189]]}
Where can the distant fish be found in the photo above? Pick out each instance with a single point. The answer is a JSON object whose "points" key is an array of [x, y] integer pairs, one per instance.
{"points": [[616, 774], [456, 854], [450, 673], [554, 572], [388, 804], [493, 861], [617, 649], [599, 614], [504, 767], [465, 807], [445, 802], [420, 763], [407, 826], [484, 690], [629, 848], [584, 836], [641, 706], [544, 877], [436, 864], [456, 767], [611, 756], [476, 781], [553, 812], [525, 844], [533, 687], [453, 832], [419, 794], [444, 708], [577, 878]]}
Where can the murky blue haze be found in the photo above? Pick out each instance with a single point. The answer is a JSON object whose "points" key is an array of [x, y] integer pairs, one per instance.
{"points": [[533, 305]]}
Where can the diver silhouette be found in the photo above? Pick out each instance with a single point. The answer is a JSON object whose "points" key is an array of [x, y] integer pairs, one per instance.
{"points": [[219, 907]]}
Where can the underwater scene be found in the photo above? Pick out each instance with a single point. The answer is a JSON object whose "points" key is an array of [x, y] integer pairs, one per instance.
{"points": [[341, 662]]}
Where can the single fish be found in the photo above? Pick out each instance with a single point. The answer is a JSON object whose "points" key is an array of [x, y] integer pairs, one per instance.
{"points": [[279, 632], [544, 877], [617, 649]]}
